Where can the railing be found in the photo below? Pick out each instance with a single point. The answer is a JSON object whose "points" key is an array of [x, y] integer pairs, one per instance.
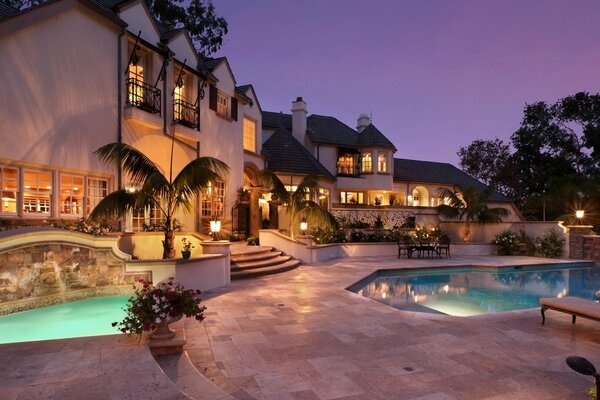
{"points": [[143, 95], [185, 113]]}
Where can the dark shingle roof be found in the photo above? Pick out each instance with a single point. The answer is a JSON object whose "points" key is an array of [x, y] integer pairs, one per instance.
{"points": [[285, 154], [330, 130], [436, 172], [211, 63], [6, 10], [371, 136]]}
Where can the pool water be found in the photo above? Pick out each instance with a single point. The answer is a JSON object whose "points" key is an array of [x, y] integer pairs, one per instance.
{"points": [[90, 317], [472, 291]]}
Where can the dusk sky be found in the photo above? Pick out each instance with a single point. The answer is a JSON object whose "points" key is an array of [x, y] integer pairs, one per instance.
{"points": [[434, 74]]}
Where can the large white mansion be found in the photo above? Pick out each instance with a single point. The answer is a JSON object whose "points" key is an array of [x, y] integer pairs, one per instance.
{"points": [[78, 74]]}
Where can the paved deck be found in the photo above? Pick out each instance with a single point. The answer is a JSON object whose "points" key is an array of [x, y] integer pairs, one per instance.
{"points": [[301, 335]]}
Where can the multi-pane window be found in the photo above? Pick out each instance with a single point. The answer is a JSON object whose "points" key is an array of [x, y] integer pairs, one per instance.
{"points": [[346, 164], [71, 194], [213, 200], [150, 216], [9, 187], [97, 190], [367, 162], [136, 90], [352, 197], [382, 162], [249, 135], [37, 190], [222, 104], [324, 197]]}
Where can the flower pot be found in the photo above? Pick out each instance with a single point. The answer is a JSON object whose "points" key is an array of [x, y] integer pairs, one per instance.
{"points": [[186, 254], [162, 331]]}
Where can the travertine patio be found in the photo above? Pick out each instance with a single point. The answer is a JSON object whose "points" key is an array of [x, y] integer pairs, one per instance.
{"points": [[301, 335]]}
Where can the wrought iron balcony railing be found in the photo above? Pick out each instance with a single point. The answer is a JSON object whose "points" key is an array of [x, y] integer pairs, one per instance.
{"points": [[185, 113], [143, 96]]}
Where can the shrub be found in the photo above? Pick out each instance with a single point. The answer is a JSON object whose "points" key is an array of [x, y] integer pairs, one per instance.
{"points": [[325, 236], [506, 243], [550, 244], [253, 241], [357, 236], [357, 224], [378, 224]]}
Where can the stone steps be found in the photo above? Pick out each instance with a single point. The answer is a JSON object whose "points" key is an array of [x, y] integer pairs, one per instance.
{"points": [[276, 259], [273, 269], [254, 257]]}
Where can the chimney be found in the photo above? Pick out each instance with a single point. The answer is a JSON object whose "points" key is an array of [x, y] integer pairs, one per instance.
{"points": [[363, 121], [299, 112]]}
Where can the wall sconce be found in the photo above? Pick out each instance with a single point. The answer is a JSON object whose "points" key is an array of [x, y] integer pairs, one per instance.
{"points": [[215, 228], [303, 226], [579, 214]]}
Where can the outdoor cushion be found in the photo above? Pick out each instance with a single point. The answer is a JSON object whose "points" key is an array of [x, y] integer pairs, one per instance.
{"points": [[572, 305]]}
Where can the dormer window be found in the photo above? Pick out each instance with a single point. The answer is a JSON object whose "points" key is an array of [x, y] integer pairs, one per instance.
{"points": [[382, 162], [222, 104]]}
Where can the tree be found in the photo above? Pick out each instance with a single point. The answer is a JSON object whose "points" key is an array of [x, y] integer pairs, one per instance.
{"points": [[485, 159], [199, 18], [299, 204], [469, 204], [167, 194]]}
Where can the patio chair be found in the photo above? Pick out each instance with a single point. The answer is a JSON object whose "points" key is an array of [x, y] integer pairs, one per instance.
{"points": [[444, 246], [404, 247]]}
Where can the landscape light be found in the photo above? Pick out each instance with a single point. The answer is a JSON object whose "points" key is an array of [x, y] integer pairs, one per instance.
{"points": [[303, 226], [579, 214], [215, 228]]}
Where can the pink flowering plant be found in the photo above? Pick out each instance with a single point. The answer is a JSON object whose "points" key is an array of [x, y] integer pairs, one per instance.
{"points": [[152, 304]]}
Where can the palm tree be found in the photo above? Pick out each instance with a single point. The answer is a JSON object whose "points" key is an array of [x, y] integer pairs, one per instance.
{"points": [[299, 204], [469, 204], [167, 194]]}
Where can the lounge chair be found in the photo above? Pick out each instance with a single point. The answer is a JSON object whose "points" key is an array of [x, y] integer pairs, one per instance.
{"points": [[571, 305]]}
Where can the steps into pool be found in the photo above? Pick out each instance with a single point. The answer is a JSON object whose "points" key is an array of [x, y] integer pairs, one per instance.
{"points": [[254, 261]]}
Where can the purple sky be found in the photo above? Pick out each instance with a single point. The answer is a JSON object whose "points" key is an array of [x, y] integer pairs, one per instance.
{"points": [[434, 74]]}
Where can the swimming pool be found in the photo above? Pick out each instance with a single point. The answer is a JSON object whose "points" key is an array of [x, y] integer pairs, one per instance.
{"points": [[90, 317], [468, 291]]}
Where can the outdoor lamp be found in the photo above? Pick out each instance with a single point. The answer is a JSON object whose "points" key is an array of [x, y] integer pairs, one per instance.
{"points": [[215, 228], [579, 214], [303, 226], [584, 367]]}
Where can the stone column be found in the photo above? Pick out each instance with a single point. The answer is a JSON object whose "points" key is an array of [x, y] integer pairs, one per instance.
{"points": [[576, 240]]}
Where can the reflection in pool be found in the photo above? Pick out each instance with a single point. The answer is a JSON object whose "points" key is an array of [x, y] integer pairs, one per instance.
{"points": [[474, 291]]}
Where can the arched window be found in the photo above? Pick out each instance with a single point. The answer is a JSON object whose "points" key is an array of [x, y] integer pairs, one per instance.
{"points": [[367, 163], [382, 163]]}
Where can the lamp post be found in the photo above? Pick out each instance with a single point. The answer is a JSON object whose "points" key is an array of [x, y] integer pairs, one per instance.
{"points": [[303, 226], [584, 367], [215, 228]]}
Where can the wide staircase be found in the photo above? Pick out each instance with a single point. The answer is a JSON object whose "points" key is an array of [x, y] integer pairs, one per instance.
{"points": [[253, 261]]}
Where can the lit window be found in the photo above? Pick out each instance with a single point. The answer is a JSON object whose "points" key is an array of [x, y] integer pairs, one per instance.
{"points": [[352, 197], [71, 194], [291, 188], [347, 164], [382, 162], [9, 184], [324, 197], [97, 190], [367, 162], [150, 216], [213, 200], [222, 104], [37, 191], [249, 135], [136, 88]]}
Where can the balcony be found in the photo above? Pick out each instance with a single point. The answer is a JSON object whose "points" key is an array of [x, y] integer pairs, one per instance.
{"points": [[185, 113], [143, 95]]}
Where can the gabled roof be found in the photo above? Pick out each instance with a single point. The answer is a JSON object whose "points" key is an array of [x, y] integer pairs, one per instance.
{"points": [[330, 130], [372, 137], [435, 172], [241, 92], [211, 63], [285, 154], [6, 10]]}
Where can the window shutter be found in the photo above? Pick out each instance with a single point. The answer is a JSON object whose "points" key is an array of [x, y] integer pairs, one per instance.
{"points": [[212, 97], [234, 106]]}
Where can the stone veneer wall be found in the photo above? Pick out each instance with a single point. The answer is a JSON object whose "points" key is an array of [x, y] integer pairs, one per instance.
{"points": [[577, 234], [591, 247]]}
